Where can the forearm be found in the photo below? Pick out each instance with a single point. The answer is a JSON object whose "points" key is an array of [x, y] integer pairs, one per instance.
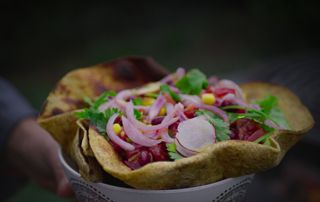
{"points": [[13, 109]]}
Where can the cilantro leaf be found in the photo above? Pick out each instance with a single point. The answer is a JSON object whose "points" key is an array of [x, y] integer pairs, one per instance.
{"points": [[269, 105], [97, 118], [166, 89], [137, 101], [137, 114], [193, 82], [104, 97], [221, 127], [171, 148]]}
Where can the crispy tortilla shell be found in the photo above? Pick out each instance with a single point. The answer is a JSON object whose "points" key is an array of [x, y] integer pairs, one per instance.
{"points": [[87, 165], [57, 114], [218, 161], [91, 81]]}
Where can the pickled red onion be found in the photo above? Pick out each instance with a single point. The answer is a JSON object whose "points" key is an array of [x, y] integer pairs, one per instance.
{"points": [[215, 110], [156, 107], [115, 138], [165, 122], [136, 136]]}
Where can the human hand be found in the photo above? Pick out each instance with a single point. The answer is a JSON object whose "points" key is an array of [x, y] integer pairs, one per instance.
{"points": [[34, 152]]}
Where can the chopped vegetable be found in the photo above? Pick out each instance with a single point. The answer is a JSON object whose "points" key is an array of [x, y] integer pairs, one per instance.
{"points": [[177, 118], [195, 133], [137, 114], [221, 127], [192, 83], [117, 128], [148, 101], [208, 98], [166, 89], [171, 148]]}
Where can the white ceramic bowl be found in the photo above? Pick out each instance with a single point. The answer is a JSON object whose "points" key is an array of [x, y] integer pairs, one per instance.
{"points": [[232, 189]]}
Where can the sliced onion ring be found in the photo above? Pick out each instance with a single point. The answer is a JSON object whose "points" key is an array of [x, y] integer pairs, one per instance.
{"points": [[136, 136], [215, 110], [115, 138], [156, 107], [165, 122]]}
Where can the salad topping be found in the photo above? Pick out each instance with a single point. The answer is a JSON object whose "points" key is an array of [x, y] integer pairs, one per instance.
{"points": [[178, 116]]}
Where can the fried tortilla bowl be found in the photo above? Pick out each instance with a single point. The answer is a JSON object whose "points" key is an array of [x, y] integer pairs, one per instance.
{"points": [[218, 161]]}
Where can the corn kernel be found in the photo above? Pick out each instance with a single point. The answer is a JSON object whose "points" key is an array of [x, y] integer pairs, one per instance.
{"points": [[148, 101], [117, 128], [162, 111], [208, 98]]}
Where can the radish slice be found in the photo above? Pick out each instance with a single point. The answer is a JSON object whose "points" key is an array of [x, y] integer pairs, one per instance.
{"points": [[195, 133], [182, 150], [115, 138], [136, 136]]}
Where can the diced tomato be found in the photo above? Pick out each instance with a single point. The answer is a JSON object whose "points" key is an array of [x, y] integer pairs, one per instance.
{"points": [[173, 129], [220, 92], [246, 129], [144, 155], [210, 89], [190, 111], [159, 152], [169, 98]]}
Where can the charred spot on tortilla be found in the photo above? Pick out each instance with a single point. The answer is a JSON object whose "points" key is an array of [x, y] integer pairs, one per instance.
{"points": [[124, 71], [77, 103], [57, 111], [63, 89]]}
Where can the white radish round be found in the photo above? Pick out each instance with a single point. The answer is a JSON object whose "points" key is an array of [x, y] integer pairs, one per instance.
{"points": [[195, 133]]}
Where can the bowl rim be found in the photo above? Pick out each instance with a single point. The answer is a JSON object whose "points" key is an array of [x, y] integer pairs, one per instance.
{"points": [[116, 188]]}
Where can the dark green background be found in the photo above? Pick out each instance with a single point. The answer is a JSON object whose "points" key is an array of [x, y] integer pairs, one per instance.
{"points": [[40, 42]]}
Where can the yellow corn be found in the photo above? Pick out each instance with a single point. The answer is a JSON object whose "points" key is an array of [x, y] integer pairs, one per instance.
{"points": [[117, 128], [208, 98], [162, 111], [148, 101]]}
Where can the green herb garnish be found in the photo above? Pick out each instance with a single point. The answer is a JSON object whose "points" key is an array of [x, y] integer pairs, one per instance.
{"points": [[137, 101], [192, 83], [137, 114], [172, 151], [269, 105], [166, 89], [221, 127], [97, 118]]}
